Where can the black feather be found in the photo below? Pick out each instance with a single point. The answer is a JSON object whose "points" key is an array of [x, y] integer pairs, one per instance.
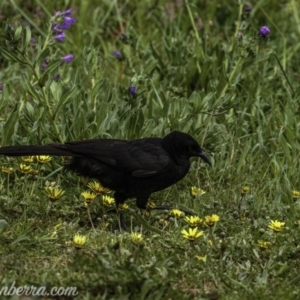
{"points": [[132, 168]]}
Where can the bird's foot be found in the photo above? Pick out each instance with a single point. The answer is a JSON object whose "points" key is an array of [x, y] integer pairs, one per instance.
{"points": [[169, 207]]}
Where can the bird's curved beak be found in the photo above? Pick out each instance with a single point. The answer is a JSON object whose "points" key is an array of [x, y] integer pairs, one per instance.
{"points": [[204, 156]]}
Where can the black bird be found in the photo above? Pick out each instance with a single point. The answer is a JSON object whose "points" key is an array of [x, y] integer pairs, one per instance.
{"points": [[131, 168]]}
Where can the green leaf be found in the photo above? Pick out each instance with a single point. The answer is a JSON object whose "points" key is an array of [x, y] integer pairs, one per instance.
{"points": [[26, 39], [67, 97], [3, 224], [18, 32], [147, 226], [9, 55], [10, 126], [157, 56], [50, 71], [242, 158], [21, 238], [41, 57], [56, 91], [29, 88]]}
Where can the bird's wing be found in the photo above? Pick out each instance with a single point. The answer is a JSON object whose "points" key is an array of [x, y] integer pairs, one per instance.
{"points": [[141, 158]]}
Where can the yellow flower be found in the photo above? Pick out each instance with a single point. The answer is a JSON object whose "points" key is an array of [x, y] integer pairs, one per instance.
{"points": [[146, 214], [79, 240], [295, 194], [263, 244], [53, 192], [98, 188], [53, 234], [43, 158], [150, 205], [123, 206], [108, 201], [245, 189], [7, 170], [201, 258], [176, 213], [276, 225], [137, 238], [163, 222], [192, 233], [57, 226], [193, 221], [26, 169], [28, 159], [88, 196], [104, 225], [195, 191], [211, 220]]}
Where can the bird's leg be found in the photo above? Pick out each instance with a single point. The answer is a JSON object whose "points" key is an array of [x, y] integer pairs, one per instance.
{"points": [[141, 201], [122, 221], [120, 199]]}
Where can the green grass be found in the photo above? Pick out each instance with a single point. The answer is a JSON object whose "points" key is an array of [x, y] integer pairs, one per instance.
{"points": [[239, 97]]}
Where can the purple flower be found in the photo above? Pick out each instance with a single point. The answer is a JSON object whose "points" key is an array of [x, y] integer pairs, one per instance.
{"points": [[62, 21], [60, 37], [264, 31], [32, 40], [1, 87], [66, 12], [68, 21], [56, 77], [132, 90], [117, 54], [248, 9], [68, 58], [124, 36], [63, 13], [57, 30], [44, 66]]}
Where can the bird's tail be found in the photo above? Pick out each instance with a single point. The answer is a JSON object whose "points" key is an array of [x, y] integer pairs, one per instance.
{"points": [[34, 150]]}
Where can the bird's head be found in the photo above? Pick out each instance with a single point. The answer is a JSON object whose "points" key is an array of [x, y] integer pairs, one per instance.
{"points": [[181, 144]]}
